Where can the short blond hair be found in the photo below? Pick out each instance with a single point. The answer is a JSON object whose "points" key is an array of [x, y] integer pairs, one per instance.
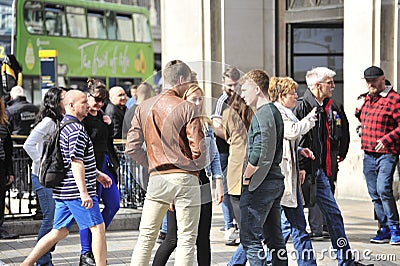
{"points": [[259, 77], [281, 86]]}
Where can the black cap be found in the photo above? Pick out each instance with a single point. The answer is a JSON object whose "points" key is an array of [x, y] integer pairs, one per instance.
{"points": [[373, 72]]}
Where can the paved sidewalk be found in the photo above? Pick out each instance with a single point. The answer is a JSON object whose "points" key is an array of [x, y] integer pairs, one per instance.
{"points": [[358, 222]]}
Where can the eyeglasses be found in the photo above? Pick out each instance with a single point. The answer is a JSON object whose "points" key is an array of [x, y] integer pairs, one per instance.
{"points": [[98, 99], [329, 82]]}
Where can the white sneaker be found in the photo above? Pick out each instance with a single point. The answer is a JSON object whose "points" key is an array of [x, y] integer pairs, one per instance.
{"points": [[231, 234]]}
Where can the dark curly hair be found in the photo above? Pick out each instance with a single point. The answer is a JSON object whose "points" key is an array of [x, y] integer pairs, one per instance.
{"points": [[95, 86], [50, 106]]}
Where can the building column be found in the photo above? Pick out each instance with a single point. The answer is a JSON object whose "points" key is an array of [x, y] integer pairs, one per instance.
{"points": [[370, 32], [190, 32]]}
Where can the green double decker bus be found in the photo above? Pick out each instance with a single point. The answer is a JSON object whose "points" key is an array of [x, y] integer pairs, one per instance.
{"points": [[108, 41]]}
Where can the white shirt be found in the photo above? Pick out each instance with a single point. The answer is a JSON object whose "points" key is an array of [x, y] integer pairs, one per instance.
{"points": [[37, 138]]}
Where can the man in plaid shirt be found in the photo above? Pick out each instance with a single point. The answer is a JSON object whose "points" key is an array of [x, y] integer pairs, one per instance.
{"points": [[379, 114]]}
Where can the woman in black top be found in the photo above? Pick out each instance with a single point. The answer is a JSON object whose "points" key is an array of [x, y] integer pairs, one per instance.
{"points": [[100, 129]]}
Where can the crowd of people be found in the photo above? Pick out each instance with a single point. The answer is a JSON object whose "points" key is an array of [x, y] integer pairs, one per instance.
{"points": [[270, 154]]}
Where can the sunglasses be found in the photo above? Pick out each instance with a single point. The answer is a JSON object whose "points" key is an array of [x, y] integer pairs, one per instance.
{"points": [[98, 99]]}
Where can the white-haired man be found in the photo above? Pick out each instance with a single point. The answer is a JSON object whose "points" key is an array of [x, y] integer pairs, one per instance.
{"points": [[320, 86]]}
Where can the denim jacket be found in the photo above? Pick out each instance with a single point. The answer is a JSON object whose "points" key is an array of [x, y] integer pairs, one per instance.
{"points": [[213, 166]]}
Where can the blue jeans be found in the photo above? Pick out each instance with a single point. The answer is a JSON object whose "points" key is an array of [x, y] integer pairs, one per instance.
{"points": [[286, 229], [47, 204], [164, 224], [260, 213], [227, 209], [334, 219], [378, 171], [111, 199], [239, 257], [301, 239]]}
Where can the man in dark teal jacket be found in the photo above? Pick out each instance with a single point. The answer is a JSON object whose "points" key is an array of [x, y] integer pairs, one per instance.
{"points": [[263, 183]]}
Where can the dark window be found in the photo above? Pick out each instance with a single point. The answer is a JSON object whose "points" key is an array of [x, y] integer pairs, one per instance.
{"points": [[299, 4], [76, 22], [312, 46], [5, 19], [33, 17], [125, 27], [142, 28], [55, 20], [97, 25]]}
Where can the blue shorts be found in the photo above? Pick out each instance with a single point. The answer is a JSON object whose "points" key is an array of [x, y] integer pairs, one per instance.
{"points": [[69, 211]]}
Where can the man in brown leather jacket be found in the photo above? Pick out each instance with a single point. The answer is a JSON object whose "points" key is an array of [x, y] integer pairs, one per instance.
{"points": [[171, 130]]}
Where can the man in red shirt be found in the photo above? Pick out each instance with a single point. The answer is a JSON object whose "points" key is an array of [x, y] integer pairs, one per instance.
{"points": [[379, 114]]}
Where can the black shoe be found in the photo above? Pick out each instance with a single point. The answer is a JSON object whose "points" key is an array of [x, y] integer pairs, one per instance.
{"points": [[87, 259], [325, 234], [233, 243], [161, 238], [5, 235]]}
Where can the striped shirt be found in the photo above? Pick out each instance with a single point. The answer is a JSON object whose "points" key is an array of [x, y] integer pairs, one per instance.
{"points": [[220, 105], [76, 144]]}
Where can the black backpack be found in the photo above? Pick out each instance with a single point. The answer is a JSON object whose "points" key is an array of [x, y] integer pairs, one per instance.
{"points": [[52, 170]]}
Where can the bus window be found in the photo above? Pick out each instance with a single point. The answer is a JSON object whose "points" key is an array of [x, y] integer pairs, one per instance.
{"points": [[142, 28], [76, 22], [33, 17], [125, 27], [96, 23], [111, 25], [55, 20], [5, 19]]}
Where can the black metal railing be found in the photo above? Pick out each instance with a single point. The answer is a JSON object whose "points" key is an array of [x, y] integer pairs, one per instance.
{"points": [[131, 179], [21, 200]]}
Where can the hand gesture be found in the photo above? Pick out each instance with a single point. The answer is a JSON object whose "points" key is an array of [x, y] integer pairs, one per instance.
{"points": [[313, 113], [219, 191], [10, 179], [307, 153], [302, 176], [379, 145], [106, 119], [104, 179], [87, 201], [360, 103]]}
